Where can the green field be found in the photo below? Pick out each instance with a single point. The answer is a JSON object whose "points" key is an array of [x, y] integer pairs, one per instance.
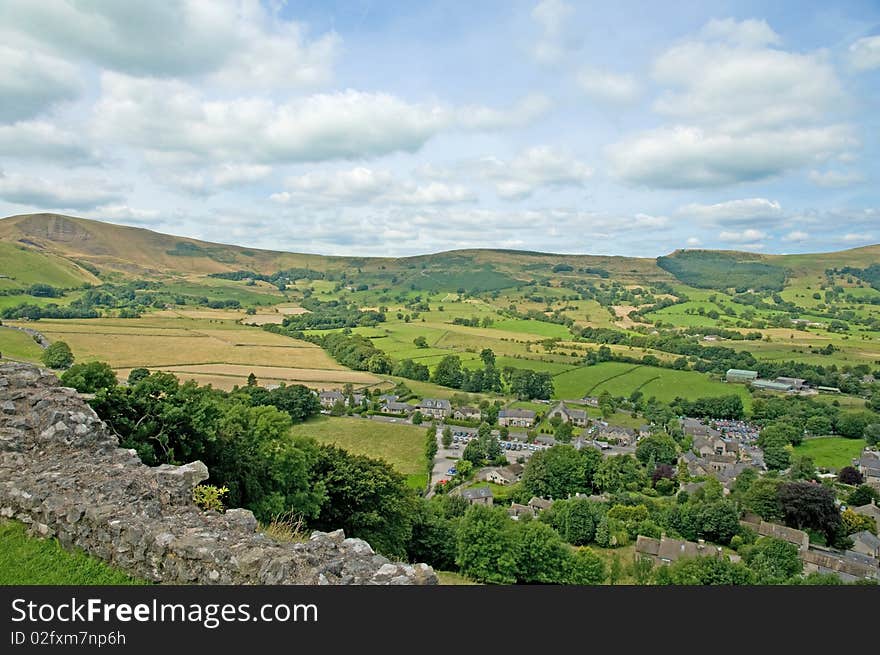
{"points": [[831, 452], [399, 444], [22, 267], [533, 327], [621, 379], [26, 560], [15, 344]]}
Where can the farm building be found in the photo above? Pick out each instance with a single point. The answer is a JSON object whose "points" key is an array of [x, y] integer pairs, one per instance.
{"points": [[740, 375]]}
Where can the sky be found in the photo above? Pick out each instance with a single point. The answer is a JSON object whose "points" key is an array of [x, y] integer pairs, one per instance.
{"points": [[399, 128]]}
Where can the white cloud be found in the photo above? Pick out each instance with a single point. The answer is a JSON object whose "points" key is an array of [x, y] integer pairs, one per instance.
{"points": [[50, 194], [742, 86], [864, 54], [553, 18], [749, 32], [833, 179], [686, 157], [693, 241], [532, 169], [232, 42], [732, 212], [122, 213], [43, 140], [232, 175], [854, 237], [174, 118], [744, 110], [742, 236], [796, 236], [607, 87], [362, 185], [32, 82]]}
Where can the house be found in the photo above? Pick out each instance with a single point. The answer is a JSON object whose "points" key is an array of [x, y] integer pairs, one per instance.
{"points": [[696, 428], [388, 398], [848, 566], [666, 550], [329, 398], [467, 414], [517, 510], [714, 445], [869, 510], [622, 435], [590, 401], [740, 375], [506, 475], [394, 407], [798, 384], [766, 529], [516, 418], [545, 440], [577, 417], [435, 408], [477, 495], [644, 431], [828, 390], [869, 466], [866, 543], [540, 504]]}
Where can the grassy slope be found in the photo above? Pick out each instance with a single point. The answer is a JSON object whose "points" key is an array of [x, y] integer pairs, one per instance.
{"points": [[621, 379], [23, 267], [15, 344], [26, 560], [399, 444], [831, 452]]}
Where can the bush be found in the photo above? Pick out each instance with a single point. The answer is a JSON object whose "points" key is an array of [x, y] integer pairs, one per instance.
{"points": [[209, 497], [57, 356]]}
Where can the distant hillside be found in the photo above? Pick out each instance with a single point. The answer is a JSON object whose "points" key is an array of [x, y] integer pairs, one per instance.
{"points": [[67, 251]]}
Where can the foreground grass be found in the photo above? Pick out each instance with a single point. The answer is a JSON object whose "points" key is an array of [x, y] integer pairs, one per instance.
{"points": [[831, 452], [399, 444], [452, 578], [26, 560]]}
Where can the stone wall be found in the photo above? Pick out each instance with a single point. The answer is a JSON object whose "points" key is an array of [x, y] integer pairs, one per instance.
{"points": [[62, 472]]}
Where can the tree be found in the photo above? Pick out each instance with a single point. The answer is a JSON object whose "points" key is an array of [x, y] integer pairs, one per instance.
{"points": [[707, 571], [137, 374], [433, 537], [762, 498], [802, 468], [540, 555], [586, 568], [850, 475], [810, 505], [420, 342], [448, 372], [563, 433], [852, 424], [365, 497], [251, 380], [57, 356], [853, 522], [574, 519], [772, 560], [872, 434], [619, 472], [641, 569], [431, 444], [88, 378], [446, 436], [560, 471], [484, 545], [818, 425], [659, 447], [473, 452], [862, 495], [417, 418]]}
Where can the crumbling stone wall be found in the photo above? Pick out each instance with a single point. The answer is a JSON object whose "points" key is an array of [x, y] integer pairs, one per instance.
{"points": [[63, 473]]}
